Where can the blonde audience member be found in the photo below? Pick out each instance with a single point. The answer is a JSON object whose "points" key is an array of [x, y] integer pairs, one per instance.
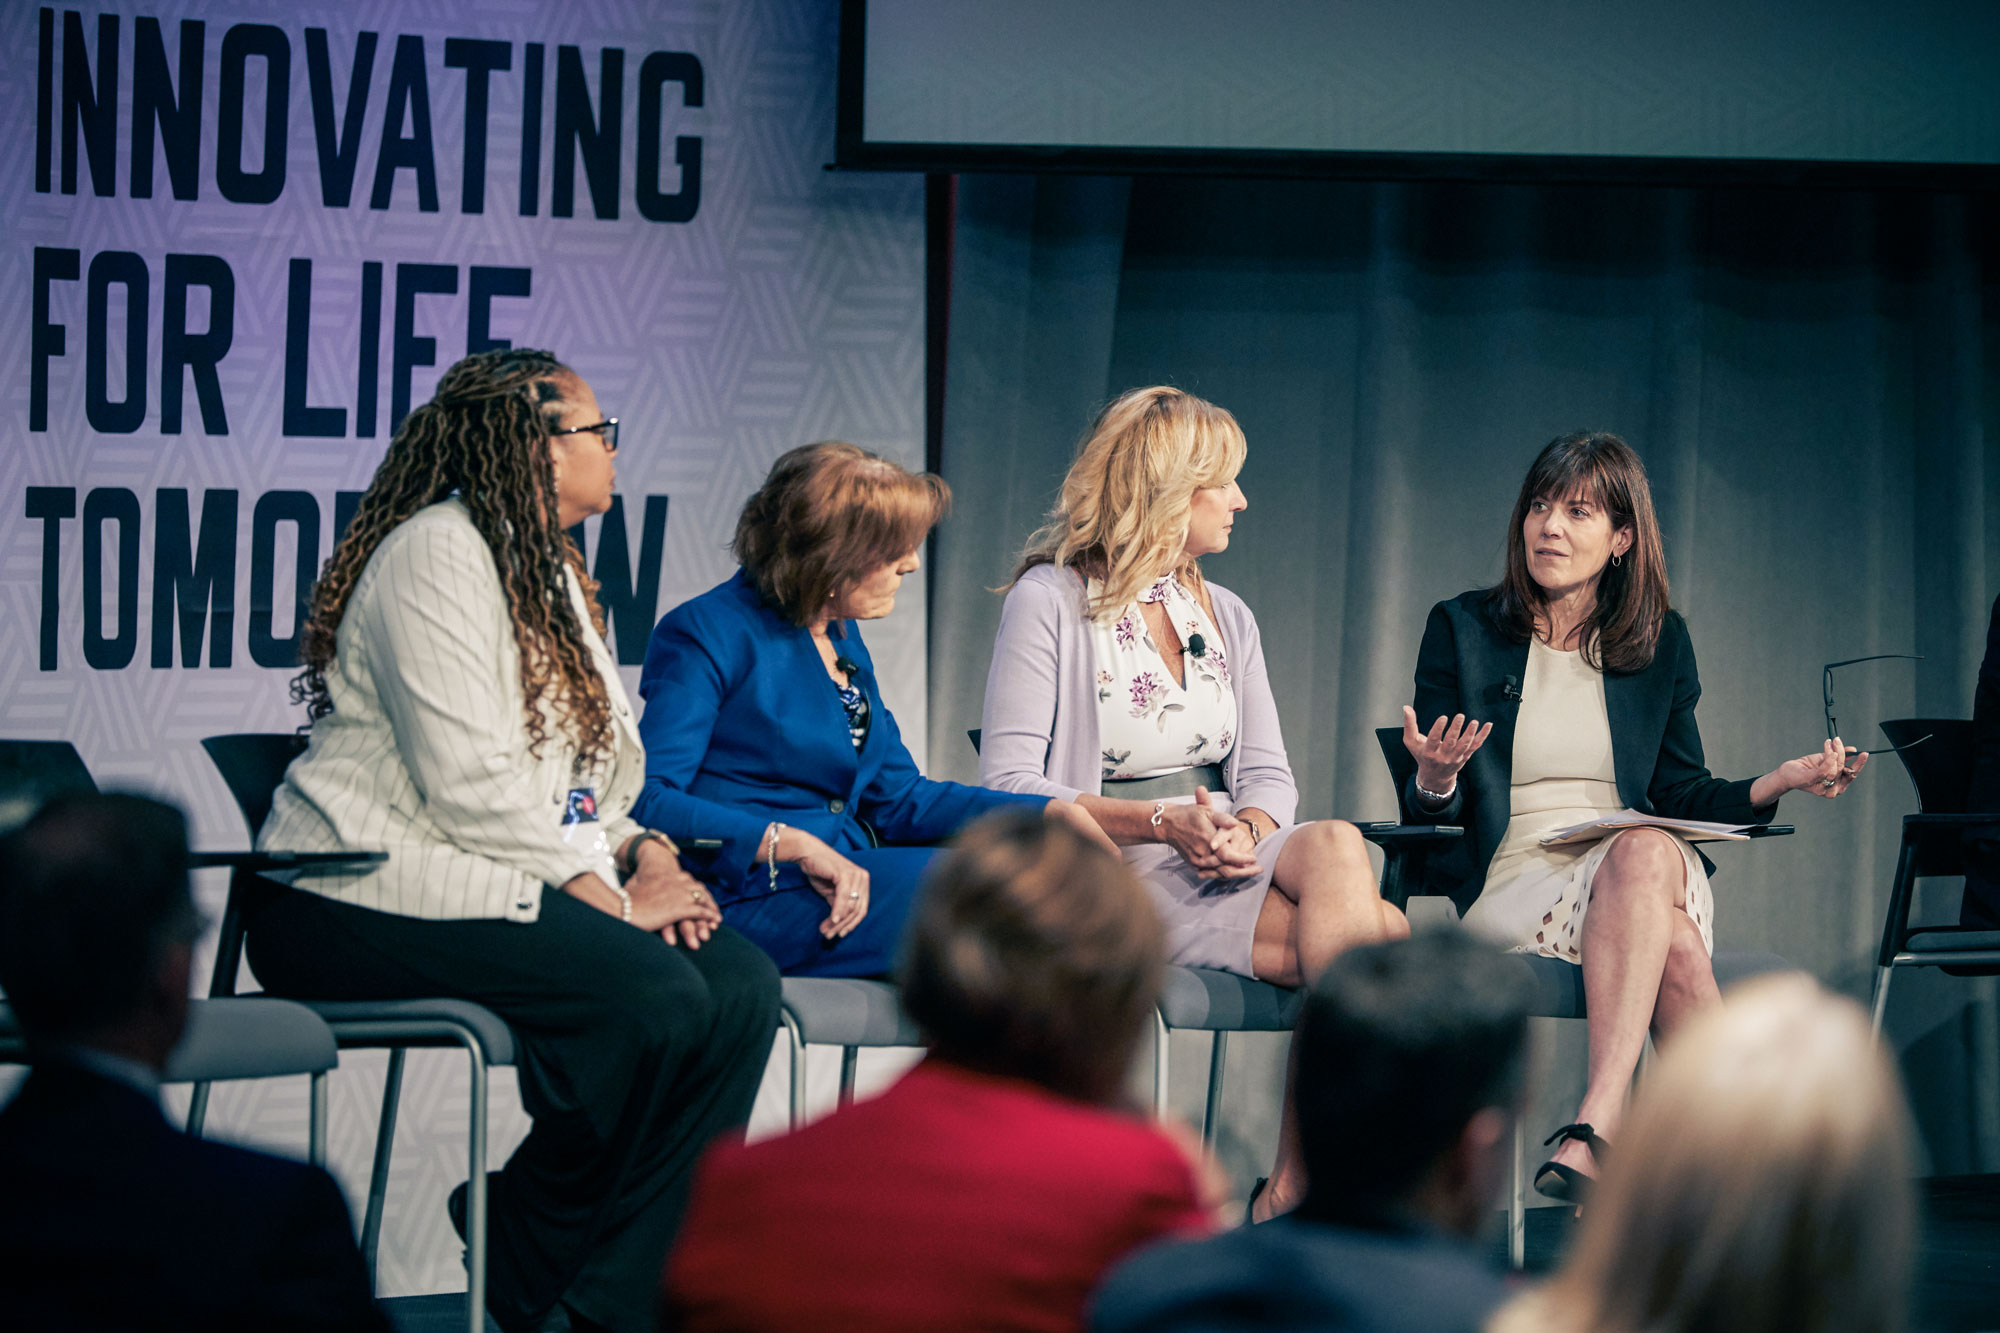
{"points": [[1763, 1182]]}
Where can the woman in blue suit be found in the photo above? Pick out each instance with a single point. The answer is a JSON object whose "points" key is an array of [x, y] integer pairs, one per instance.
{"points": [[765, 728]]}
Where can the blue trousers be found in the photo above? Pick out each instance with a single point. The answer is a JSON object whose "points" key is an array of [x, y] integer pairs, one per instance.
{"points": [[786, 924]]}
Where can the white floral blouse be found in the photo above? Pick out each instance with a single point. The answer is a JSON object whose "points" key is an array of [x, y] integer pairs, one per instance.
{"points": [[1148, 725]]}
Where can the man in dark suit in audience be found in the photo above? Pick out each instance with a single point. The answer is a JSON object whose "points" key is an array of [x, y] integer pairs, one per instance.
{"points": [[110, 1218], [1410, 1067]]}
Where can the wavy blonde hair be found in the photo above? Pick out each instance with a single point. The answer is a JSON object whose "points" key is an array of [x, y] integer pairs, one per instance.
{"points": [[1122, 517], [1762, 1181]]}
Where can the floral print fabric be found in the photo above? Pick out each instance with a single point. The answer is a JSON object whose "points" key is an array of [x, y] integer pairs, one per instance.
{"points": [[1148, 725]]}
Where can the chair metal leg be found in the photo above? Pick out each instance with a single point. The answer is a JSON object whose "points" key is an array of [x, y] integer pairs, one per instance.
{"points": [[798, 1053], [1159, 1065], [850, 1059], [385, 1145], [1211, 1113], [197, 1110], [1881, 1005], [1517, 1200], [316, 1122], [475, 1195]]}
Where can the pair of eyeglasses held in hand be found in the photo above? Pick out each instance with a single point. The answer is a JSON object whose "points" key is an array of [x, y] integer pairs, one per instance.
{"points": [[1826, 693]]}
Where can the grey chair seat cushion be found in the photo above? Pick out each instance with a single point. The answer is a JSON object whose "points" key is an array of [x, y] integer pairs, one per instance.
{"points": [[370, 1024], [1207, 1000], [847, 1011], [1559, 985], [226, 1039]]}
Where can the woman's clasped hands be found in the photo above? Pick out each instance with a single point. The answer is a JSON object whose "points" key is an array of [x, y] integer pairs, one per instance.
{"points": [[1216, 843], [666, 900]]}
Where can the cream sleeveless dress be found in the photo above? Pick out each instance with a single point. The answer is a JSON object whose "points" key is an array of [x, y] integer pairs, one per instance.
{"points": [[1535, 897]]}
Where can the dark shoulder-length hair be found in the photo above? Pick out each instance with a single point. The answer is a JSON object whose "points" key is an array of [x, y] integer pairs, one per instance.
{"points": [[828, 515], [1623, 631]]}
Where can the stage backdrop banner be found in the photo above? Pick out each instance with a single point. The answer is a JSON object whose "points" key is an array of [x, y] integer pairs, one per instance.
{"points": [[241, 241]]}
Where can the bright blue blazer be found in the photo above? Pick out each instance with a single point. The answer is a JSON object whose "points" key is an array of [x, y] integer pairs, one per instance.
{"points": [[743, 726]]}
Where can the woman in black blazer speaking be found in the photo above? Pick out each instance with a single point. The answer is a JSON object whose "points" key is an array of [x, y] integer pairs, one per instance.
{"points": [[1586, 681]]}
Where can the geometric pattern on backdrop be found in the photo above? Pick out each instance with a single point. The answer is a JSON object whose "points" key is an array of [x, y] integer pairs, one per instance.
{"points": [[311, 206]]}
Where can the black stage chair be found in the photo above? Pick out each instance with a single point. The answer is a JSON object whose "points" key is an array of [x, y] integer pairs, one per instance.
{"points": [[1939, 762], [252, 765], [225, 1039]]}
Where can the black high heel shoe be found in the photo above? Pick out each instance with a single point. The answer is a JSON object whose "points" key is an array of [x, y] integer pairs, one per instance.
{"points": [[1566, 1184]]}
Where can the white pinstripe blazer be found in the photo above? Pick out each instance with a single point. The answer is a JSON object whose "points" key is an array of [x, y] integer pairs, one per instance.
{"points": [[425, 755]]}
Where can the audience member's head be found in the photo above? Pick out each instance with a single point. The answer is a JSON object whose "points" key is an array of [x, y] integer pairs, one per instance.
{"points": [[96, 925], [1411, 1060], [1034, 953], [1762, 1181]]}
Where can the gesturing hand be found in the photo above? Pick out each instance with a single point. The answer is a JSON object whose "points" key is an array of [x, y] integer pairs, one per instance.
{"points": [[842, 883], [1827, 773], [1444, 749]]}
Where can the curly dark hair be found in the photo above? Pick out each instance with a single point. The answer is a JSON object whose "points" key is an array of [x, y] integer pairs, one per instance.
{"points": [[484, 437]]}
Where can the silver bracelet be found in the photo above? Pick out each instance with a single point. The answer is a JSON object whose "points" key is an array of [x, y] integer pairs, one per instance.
{"points": [[1159, 814], [771, 852], [1439, 799]]}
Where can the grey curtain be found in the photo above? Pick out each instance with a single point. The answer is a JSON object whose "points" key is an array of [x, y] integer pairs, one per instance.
{"points": [[1810, 375]]}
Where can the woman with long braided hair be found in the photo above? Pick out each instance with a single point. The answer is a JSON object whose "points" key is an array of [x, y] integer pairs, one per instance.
{"points": [[468, 719]]}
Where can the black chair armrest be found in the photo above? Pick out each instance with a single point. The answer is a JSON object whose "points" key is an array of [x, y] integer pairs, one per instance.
{"points": [[1400, 844], [1389, 835], [259, 863]]}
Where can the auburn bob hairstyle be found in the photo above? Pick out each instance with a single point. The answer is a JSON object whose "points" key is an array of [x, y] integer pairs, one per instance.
{"points": [[1122, 516], [1035, 954], [1624, 628], [828, 515]]}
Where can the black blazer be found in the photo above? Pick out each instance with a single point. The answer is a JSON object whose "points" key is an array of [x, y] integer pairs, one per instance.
{"points": [[1464, 667], [112, 1219]]}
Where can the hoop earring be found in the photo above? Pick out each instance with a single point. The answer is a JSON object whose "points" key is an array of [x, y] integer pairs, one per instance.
{"points": [[1615, 561]]}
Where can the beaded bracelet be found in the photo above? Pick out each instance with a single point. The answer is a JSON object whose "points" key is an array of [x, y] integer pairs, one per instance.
{"points": [[771, 852]]}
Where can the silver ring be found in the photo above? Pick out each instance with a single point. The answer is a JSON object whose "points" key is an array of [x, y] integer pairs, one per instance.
{"points": [[1826, 782], [854, 893], [695, 894]]}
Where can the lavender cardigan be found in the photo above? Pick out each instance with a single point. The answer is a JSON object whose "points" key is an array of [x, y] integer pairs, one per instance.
{"points": [[1040, 724]]}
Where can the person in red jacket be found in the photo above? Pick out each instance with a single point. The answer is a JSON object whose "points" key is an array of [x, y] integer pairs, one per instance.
{"points": [[993, 1186]]}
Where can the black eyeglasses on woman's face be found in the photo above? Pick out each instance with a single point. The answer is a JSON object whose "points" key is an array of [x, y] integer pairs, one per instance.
{"points": [[605, 430], [1826, 692]]}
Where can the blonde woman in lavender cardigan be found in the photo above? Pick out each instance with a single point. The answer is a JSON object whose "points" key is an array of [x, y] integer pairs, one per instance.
{"points": [[1123, 681]]}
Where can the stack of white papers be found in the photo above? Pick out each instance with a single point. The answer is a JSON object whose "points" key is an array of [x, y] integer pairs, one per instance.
{"points": [[1694, 830]]}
